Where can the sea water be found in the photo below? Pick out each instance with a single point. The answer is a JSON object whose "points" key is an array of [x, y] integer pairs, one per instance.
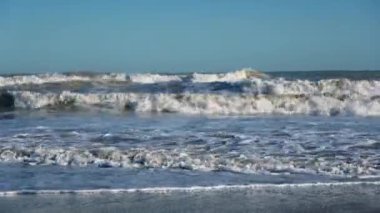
{"points": [[239, 141]]}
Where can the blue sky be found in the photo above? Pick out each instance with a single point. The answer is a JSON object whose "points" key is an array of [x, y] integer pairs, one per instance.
{"points": [[181, 36]]}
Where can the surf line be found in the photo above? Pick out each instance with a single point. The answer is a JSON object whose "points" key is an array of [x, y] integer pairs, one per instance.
{"points": [[163, 190]]}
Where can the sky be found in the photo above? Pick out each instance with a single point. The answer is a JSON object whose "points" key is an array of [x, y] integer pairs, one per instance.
{"points": [[186, 36]]}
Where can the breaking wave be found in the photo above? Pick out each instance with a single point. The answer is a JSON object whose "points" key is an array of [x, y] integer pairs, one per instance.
{"points": [[56, 77], [205, 103], [154, 78], [243, 92], [240, 75]]}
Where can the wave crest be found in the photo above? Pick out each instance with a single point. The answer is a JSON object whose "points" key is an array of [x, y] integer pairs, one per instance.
{"points": [[243, 92], [148, 78], [239, 75], [189, 103]]}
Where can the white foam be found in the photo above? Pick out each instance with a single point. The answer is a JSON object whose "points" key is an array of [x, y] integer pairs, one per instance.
{"points": [[190, 189], [239, 75], [56, 77], [219, 104], [39, 79], [330, 87], [186, 159], [154, 78], [256, 94]]}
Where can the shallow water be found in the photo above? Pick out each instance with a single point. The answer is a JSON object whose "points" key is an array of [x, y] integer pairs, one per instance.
{"points": [[335, 147], [271, 198]]}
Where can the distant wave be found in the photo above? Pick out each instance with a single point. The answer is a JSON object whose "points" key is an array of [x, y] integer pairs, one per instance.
{"points": [[240, 75], [191, 189], [154, 78], [56, 77]]}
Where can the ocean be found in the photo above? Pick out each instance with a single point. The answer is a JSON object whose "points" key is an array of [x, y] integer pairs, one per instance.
{"points": [[242, 141]]}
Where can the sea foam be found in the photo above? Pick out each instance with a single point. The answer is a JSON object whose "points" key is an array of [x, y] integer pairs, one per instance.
{"points": [[185, 159], [243, 92], [223, 104]]}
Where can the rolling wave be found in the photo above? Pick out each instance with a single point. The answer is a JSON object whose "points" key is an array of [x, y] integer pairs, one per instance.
{"points": [[243, 92], [240, 75], [218, 104]]}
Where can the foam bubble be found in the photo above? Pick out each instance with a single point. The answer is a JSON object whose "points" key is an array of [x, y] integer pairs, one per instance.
{"points": [[186, 159]]}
